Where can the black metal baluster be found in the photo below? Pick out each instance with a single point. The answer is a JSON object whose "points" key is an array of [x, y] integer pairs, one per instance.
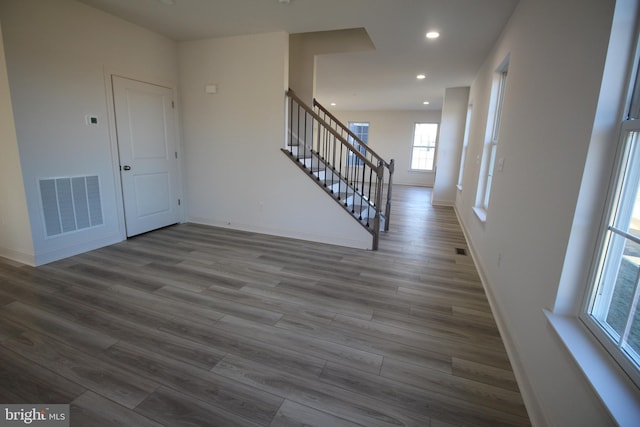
{"points": [[305, 143], [343, 172], [369, 195], [291, 130], [334, 155], [352, 181], [320, 144]]}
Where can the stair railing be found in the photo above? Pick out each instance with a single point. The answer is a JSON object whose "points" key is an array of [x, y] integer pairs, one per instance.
{"points": [[344, 171], [364, 148]]}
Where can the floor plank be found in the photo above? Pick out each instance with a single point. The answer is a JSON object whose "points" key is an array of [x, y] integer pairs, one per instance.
{"points": [[91, 409], [292, 414], [198, 325], [342, 403], [171, 408], [112, 382]]}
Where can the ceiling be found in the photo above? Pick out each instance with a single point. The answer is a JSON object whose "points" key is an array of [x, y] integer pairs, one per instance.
{"points": [[384, 79]]}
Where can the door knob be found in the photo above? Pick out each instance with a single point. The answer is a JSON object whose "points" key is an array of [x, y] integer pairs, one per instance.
{"points": [[126, 167]]}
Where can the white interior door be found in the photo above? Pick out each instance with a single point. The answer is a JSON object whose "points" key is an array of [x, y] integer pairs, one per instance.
{"points": [[147, 149]]}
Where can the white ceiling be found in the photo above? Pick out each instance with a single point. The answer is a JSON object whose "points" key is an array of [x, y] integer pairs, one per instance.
{"points": [[384, 79]]}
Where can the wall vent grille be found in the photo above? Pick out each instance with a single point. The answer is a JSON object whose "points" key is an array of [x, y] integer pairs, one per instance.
{"points": [[70, 204]]}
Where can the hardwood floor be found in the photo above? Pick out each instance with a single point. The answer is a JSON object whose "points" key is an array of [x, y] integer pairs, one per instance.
{"points": [[194, 325]]}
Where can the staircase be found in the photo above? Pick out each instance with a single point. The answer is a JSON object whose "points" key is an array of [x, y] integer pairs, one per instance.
{"points": [[340, 163]]}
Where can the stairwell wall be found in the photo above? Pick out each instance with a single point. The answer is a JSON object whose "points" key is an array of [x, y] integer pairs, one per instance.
{"points": [[15, 232], [450, 140], [237, 177]]}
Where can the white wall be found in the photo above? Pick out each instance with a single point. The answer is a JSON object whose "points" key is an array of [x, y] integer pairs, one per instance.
{"points": [[58, 54], [557, 51], [452, 126], [391, 136], [15, 233], [304, 47], [237, 177]]}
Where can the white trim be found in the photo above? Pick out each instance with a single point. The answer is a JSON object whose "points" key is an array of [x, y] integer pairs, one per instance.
{"points": [[435, 147], [60, 253], [480, 213], [21, 257], [109, 72], [312, 237], [443, 203], [611, 384], [529, 396]]}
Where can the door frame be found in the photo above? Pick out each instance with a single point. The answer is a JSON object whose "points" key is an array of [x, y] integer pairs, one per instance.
{"points": [[113, 140]]}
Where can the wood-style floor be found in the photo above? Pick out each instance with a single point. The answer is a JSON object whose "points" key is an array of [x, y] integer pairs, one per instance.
{"points": [[193, 325]]}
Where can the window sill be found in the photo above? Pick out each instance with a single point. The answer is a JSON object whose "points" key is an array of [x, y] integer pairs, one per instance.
{"points": [[420, 171], [615, 389], [481, 214], [459, 187]]}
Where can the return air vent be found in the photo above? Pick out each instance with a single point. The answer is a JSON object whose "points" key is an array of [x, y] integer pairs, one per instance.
{"points": [[70, 204]]}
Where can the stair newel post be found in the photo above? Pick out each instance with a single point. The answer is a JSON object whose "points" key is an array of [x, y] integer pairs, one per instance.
{"points": [[387, 212], [376, 219]]}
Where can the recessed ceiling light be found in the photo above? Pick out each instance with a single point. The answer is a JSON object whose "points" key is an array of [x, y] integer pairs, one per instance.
{"points": [[426, 102], [333, 104], [421, 76], [433, 35]]}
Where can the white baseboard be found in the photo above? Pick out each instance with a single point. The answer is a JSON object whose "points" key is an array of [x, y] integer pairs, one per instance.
{"points": [[529, 396], [58, 254], [21, 257], [443, 203], [319, 238]]}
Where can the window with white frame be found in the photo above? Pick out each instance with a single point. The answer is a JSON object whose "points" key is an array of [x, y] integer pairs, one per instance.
{"points": [[423, 149], [491, 146], [612, 310], [361, 130], [465, 145]]}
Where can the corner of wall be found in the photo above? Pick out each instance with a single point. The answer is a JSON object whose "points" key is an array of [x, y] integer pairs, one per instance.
{"points": [[15, 230]]}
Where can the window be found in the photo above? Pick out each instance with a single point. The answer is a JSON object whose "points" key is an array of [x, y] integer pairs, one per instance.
{"points": [[613, 306], [423, 152], [613, 309], [465, 145], [361, 130], [491, 146]]}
